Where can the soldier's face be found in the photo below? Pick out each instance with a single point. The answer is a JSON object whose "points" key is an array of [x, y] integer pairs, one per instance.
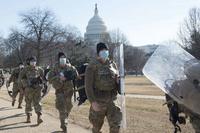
{"points": [[21, 66], [33, 63], [104, 54], [62, 61]]}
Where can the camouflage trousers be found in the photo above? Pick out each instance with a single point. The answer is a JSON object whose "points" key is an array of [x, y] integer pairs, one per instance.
{"points": [[195, 121], [64, 103], [1, 81], [16, 89], [33, 97], [111, 112]]}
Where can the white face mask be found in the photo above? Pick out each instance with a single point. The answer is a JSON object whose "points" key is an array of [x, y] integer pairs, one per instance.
{"points": [[104, 54], [33, 63], [21, 66], [62, 61]]}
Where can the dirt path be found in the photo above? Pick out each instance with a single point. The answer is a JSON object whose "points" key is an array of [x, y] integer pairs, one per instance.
{"points": [[12, 120]]}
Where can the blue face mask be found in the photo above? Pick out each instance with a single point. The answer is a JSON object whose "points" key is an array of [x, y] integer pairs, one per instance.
{"points": [[104, 54], [62, 61], [33, 63]]}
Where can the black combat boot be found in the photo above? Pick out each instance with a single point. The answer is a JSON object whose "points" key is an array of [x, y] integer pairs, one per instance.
{"points": [[28, 120], [39, 120], [13, 102], [20, 106], [96, 131], [63, 126], [114, 130]]}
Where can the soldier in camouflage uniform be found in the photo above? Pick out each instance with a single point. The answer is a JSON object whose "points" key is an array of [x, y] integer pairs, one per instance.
{"points": [[1, 73], [101, 88], [176, 112], [1, 78], [192, 73], [17, 88], [195, 121], [81, 84], [61, 76], [32, 78]]}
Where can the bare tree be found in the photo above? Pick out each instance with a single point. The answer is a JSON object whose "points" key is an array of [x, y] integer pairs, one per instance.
{"points": [[117, 36], [2, 52], [189, 33], [134, 59], [40, 29], [13, 44], [77, 51], [41, 36], [72, 33], [68, 43]]}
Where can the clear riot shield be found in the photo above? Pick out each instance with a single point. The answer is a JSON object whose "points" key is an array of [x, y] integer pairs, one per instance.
{"points": [[118, 56], [174, 71]]}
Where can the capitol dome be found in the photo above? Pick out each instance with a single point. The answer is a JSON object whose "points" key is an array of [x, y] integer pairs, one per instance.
{"points": [[96, 29], [96, 24]]}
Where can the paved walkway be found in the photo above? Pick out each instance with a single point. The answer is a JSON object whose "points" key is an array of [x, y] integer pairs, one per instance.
{"points": [[12, 120]]}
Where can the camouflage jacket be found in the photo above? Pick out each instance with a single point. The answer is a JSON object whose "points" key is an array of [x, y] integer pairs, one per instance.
{"points": [[1, 73], [100, 81], [28, 74], [55, 73], [14, 75]]}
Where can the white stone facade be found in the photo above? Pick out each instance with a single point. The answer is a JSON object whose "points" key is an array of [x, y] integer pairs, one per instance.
{"points": [[96, 30]]}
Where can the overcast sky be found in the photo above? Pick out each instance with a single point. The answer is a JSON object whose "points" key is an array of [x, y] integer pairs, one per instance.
{"points": [[142, 21]]}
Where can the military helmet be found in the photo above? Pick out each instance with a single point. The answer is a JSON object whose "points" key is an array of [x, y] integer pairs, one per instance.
{"points": [[32, 58], [101, 46], [60, 54], [192, 70]]}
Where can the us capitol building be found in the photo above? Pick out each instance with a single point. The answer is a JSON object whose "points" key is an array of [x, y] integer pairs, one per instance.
{"points": [[96, 31]]}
